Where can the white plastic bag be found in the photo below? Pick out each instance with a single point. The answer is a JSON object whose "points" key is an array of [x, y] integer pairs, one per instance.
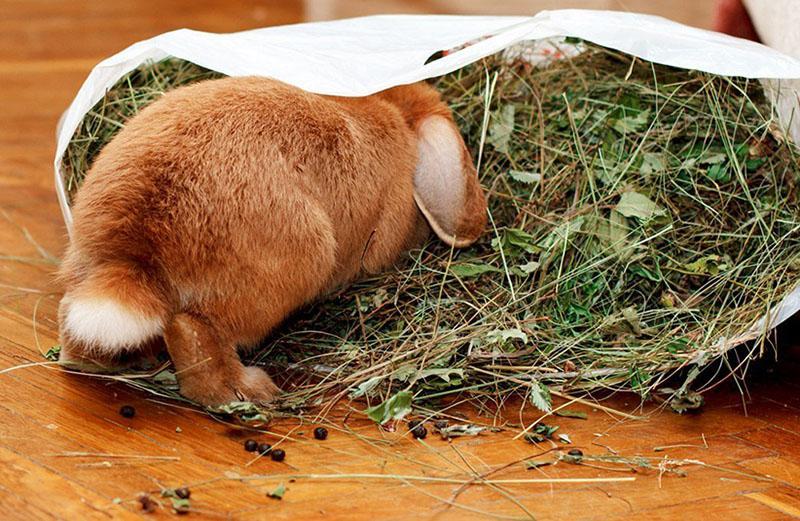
{"points": [[360, 56]]}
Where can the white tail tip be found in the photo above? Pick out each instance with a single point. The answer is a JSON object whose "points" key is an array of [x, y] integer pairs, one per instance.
{"points": [[109, 325]]}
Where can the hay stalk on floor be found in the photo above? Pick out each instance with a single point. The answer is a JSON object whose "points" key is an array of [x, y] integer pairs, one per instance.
{"points": [[642, 219]]}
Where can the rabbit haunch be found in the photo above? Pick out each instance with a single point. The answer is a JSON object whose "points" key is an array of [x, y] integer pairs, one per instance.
{"points": [[226, 205]]}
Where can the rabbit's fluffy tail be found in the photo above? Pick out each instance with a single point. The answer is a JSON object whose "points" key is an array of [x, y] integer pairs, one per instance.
{"points": [[115, 308]]}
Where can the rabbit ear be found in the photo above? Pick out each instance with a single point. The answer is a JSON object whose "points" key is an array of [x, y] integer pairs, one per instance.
{"points": [[446, 186]]}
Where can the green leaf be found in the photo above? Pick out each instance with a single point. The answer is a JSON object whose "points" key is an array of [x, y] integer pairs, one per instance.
{"points": [[278, 493], [639, 206], [180, 504], [514, 241], [367, 386], [562, 232], [541, 432], [525, 177], [679, 345], [578, 314], [53, 353], [501, 336], [645, 273], [166, 378], [467, 270], [246, 411], [392, 409], [753, 164], [630, 124], [501, 127], [720, 173], [540, 398], [709, 265]]}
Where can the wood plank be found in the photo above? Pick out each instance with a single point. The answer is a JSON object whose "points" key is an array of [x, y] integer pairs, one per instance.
{"points": [[781, 499], [49, 492]]}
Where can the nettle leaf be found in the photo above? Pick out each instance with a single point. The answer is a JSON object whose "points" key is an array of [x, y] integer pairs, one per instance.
{"points": [[525, 177], [501, 127], [445, 373], [395, 408], [639, 206], [467, 270], [278, 493], [540, 398], [501, 336]]}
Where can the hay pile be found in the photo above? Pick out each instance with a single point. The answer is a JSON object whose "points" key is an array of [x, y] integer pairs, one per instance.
{"points": [[642, 219]]}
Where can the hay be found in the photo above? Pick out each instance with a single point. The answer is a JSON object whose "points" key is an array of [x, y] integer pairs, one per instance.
{"points": [[642, 219]]}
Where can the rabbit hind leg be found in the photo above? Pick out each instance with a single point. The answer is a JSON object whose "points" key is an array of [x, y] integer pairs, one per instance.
{"points": [[208, 368]]}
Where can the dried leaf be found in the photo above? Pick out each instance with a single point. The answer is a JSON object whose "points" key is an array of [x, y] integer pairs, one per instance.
{"points": [[278, 493], [501, 127], [525, 177], [566, 413], [501, 336], [634, 204]]}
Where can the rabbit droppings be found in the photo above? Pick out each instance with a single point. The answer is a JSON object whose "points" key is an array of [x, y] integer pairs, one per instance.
{"points": [[225, 205]]}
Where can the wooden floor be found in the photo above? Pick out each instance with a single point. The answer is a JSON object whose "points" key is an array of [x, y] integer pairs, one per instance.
{"points": [[62, 440]]}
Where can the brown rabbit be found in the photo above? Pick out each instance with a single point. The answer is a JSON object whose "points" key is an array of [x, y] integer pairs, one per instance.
{"points": [[226, 205]]}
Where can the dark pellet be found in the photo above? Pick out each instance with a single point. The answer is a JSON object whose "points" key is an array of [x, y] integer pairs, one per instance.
{"points": [[148, 505], [183, 493], [251, 445], [419, 432], [127, 411], [277, 455], [264, 448], [320, 433]]}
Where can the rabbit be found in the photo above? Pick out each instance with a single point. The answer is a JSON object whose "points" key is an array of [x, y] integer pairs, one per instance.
{"points": [[228, 204]]}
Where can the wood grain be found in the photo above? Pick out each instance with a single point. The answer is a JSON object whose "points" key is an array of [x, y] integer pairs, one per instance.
{"points": [[750, 464]]}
